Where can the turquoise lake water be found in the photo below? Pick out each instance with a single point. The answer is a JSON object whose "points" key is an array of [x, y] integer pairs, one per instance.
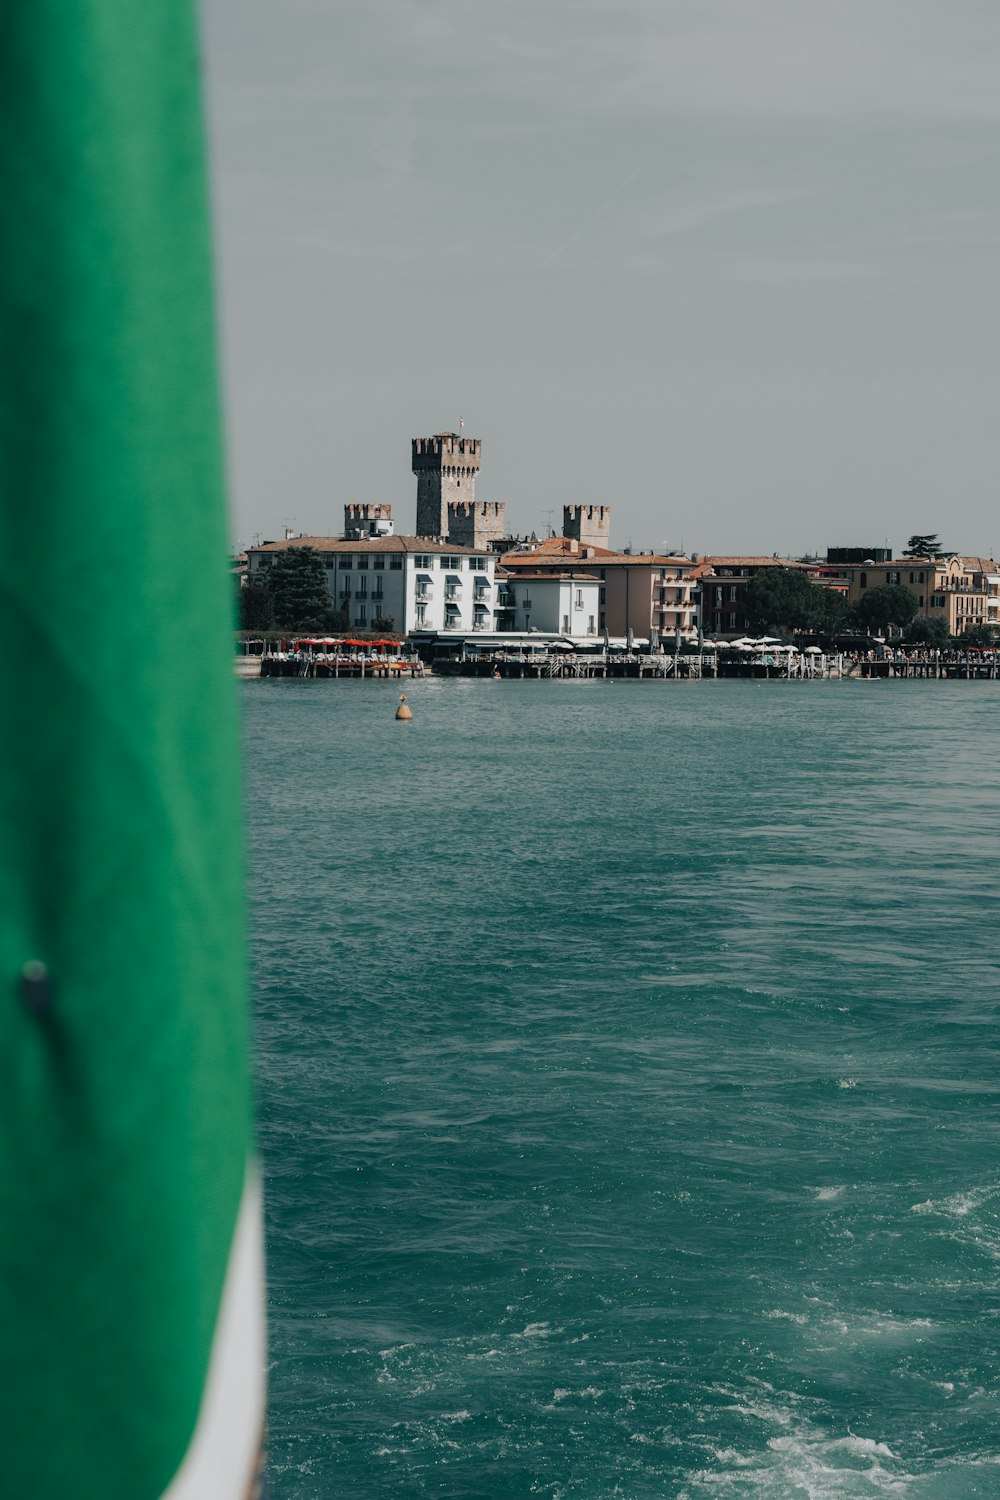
{"points": [[628, 1087]]}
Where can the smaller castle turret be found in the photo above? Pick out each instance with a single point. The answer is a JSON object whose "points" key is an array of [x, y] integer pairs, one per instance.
{"points": [[365, 518], [588, 524], [476, 523]]}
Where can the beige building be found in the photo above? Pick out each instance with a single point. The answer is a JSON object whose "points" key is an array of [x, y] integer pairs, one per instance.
{"points": [[964, 592]]}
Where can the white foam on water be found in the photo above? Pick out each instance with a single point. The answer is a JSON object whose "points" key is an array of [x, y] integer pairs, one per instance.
{"points": [[958, 1205], [536, 1331], [866, 1447], [732, 1456], [827, 1194]]}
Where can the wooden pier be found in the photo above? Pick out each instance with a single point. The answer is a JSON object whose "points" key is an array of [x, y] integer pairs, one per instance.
{"points": [[981, 666], [305, 666], [782, 664], [653, 668]]}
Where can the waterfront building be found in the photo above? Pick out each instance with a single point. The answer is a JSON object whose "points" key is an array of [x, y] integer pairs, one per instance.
{"points": [[964, 592], [644, 592], [566, 604], [419, 584]]}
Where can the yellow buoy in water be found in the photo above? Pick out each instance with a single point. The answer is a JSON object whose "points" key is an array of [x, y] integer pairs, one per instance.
{"points": [[403, 711]]}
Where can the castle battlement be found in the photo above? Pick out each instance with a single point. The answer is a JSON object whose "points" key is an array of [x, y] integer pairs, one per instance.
{"points": [[487, 509], [446, 448]]}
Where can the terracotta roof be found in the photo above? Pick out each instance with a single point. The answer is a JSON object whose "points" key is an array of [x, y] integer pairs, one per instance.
{"points": [[523, 574], [417, 544], [755, 562], [943, 564], [561, 546], [558, 549]]}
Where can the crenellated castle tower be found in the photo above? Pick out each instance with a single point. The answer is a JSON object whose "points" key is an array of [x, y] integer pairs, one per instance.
{"points": [[446, 466], [476, 523]]}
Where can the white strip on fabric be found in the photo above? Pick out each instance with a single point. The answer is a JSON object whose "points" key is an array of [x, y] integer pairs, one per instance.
{"points": [[222, 1457]]}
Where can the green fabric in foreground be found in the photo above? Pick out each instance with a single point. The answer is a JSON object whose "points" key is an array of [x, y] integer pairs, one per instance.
{"points": [[124, 1116]]}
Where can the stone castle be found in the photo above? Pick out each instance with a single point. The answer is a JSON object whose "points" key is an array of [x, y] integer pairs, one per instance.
{"points": [[446, 466]]}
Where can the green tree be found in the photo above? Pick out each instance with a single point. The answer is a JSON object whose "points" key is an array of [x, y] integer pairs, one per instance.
{"points": [[923, 545], [339, 618], [255, 603], [385, 623], [889, 604], [979, 635], [924, 631], [786, 599], [833, 613], [297, 581]]}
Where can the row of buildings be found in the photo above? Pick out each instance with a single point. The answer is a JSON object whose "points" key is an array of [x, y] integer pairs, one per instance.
{"points": [[461, 574]]}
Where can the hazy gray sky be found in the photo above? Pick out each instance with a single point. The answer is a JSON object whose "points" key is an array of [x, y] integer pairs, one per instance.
{"points": [[730, 266]]}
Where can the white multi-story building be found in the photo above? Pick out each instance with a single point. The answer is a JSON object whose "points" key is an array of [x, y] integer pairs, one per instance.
{"points": [[419, 585], [560, 604]]}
